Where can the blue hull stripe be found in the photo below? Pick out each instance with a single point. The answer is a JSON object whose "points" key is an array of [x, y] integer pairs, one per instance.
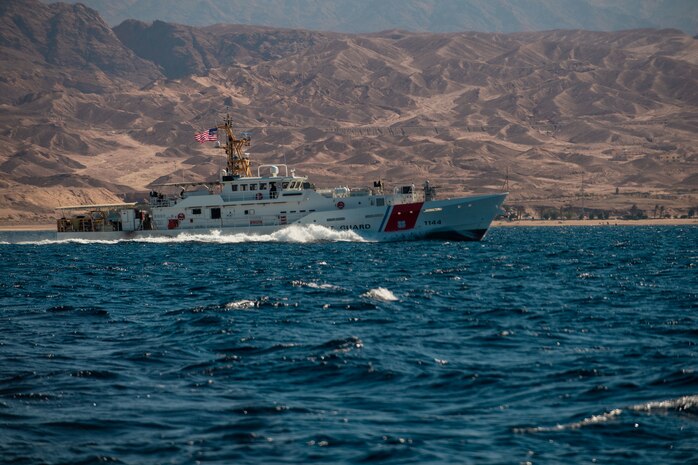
{"points": [[385, 217]]}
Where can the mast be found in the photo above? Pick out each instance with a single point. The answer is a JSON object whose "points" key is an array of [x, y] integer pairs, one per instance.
{"points": [[238, 164]]}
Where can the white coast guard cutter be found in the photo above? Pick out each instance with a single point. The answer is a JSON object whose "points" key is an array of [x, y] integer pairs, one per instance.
{"points": [[275, 198]]}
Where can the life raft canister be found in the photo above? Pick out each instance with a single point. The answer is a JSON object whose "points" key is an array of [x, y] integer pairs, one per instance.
{"points": [[340, 204]]}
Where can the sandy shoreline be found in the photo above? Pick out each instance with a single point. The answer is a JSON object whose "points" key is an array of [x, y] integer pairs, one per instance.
{"points": [[495, 224], [28, 227], [647, 222]]}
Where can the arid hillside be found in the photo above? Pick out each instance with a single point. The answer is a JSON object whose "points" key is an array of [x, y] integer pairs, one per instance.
{"points": [[93, 114]]}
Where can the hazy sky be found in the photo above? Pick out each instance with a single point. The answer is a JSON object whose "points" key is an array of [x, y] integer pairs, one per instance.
{"points": [[418, 15]]}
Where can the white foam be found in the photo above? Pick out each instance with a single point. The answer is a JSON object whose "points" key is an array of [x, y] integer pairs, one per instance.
{"points": [[70, 241], [293, 234], [313, 285], [380, 293], [593, 420], [241, 304], [680, 404], [314, 233]]}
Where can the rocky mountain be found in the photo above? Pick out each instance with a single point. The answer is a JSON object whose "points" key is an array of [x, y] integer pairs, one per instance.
{"points": [[414, 15], [92, 114], [184, 50], [42, 43]]}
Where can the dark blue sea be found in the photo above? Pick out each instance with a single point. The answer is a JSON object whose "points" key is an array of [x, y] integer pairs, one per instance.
{"points": [[538, 345]]}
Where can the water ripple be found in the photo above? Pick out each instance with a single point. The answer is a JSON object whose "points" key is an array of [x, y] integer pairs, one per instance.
{"points": [[540, 345]]}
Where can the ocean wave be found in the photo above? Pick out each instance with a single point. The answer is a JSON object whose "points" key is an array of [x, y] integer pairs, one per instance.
{"points": [[593, 420], [685, 404], [260, 302], [380, 293], [343, 344], [313, 285], [242, 304]]}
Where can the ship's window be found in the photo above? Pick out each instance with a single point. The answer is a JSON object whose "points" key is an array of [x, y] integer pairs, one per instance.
{"points": [[243, 187], [293, 211], [249, 212], [380, 201], [253, 187], [234, 187], [215, 213], [262, 186], [196, 211], [406, 189], [284, 185]]}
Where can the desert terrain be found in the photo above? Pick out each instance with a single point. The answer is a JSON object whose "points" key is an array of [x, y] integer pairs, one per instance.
{"points": [[570, 122]]}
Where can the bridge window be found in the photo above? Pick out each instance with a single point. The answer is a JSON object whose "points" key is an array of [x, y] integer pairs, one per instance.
{"points": [[262, 186], [234, 187], [215, 213], [196, 211], [253, 187]]}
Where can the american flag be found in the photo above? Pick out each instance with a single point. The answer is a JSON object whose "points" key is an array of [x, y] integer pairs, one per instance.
{"points": [[206, 136]]}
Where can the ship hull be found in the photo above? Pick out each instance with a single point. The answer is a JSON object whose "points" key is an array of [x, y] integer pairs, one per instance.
{"points": [[462, 219]]}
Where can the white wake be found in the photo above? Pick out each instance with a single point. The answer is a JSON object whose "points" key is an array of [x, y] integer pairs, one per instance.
{"points": [[291, 234]]}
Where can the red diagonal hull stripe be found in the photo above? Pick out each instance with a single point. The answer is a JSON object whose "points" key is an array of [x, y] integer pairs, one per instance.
{"points": [[407, 212]]}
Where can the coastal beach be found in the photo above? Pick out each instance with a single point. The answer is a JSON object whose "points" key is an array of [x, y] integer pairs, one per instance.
{"points": [[610, 222]]}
